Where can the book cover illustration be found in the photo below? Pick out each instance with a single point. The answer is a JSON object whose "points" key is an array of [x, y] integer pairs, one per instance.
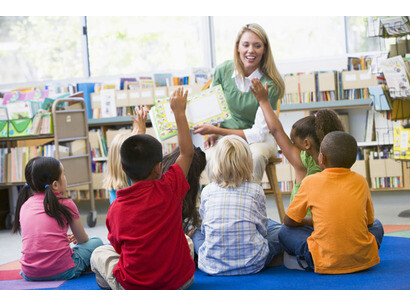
{"points": [[206, 107]]}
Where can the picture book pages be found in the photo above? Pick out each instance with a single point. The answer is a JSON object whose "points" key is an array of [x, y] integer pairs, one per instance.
{"points": [[206, 107]]}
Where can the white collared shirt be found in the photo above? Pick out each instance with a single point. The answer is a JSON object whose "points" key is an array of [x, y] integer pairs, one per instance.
{"points": [[259, 130]]}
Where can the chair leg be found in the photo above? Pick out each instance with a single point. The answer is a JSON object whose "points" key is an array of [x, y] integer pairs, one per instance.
{"points": [[273, 181]]}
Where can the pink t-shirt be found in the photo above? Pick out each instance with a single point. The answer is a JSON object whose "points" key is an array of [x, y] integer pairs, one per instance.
{"points": [[46, 249]]}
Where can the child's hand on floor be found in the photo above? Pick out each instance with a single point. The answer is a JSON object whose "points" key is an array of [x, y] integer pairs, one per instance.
{"points": [[71, 238], [259, 91], [138, 125]]}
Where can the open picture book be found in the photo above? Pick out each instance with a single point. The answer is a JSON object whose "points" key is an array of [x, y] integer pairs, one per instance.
{"points": [[207, 107]]}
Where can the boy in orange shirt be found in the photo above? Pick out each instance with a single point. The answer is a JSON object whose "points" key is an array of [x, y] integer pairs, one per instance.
{"points": [[346, 236]]}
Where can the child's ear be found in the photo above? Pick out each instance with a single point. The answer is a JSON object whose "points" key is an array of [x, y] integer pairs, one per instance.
{"points": [[54, 185], [157, 170], [307, 143], [322, 160]]}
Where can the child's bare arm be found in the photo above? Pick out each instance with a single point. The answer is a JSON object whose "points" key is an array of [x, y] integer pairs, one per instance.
{"points": [[291, 152], [178, 103], [78, 231], [138, 125], [291, 223]]}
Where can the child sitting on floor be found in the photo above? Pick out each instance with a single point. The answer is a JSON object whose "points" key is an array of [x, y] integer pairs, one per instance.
{"points": [[236, 237], [190, 216], [115, 178], [302, 148], [43, 216], [148, 246], [346, 236]]}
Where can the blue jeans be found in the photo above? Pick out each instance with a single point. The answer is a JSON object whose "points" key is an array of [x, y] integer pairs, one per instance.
{"points": [[273, 241], [81, 258], [294, 241]]}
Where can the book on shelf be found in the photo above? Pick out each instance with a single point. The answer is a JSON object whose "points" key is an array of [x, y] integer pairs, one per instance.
{"points": [[162, 79], [396, 25], [369, 132], [206, 107], [381, 100], [396, 74]]}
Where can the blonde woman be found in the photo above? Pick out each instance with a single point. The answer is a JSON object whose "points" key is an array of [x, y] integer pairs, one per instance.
{"points": [[115, 178], [252, 59], [236, 237]]}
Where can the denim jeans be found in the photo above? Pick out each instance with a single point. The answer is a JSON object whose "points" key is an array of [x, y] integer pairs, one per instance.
{"points": [[273, 241], [81, 258], [294, 241]]}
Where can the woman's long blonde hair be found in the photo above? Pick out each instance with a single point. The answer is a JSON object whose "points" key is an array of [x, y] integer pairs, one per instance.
{"points": [[267, 64], [232, 163], [115, 177]]}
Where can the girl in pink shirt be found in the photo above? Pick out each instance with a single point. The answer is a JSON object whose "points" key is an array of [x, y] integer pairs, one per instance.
{"points": [[43, 217]]}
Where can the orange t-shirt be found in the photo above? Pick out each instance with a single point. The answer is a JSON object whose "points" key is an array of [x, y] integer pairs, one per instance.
{"points": [[341, 208]]}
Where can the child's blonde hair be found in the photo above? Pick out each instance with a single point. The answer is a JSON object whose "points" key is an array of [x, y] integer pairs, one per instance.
{"points": [[115, 177], [232, 163]]}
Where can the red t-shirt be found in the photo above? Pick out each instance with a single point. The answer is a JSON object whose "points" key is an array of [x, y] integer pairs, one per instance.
{"points": [[145, 227]]}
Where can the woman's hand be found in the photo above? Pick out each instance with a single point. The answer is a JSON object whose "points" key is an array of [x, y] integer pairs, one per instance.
{"points": [[210, 141], [260, 92], [205, 129], [138, 125]]}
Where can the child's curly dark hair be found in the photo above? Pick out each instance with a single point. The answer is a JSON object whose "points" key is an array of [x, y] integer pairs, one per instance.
{"points": [[317, 126], [190, 213]]}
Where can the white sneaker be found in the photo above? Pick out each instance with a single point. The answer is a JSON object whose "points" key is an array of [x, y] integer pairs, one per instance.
{"points": [[291, 263]]}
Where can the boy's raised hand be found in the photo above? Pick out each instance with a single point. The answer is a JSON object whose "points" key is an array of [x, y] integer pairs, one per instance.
{"points": [[178, 101], [259, 91], [138, 125]]}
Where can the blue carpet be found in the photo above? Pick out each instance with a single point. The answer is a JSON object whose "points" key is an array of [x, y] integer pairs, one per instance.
{"points": [[392, 273]]}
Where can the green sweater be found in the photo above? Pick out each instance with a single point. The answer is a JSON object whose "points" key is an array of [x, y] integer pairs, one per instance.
{"points": [[242, 105]]}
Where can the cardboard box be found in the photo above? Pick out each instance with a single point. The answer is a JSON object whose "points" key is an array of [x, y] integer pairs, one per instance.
{"points": [[20, 127], [4, 128], [97, 180], [327, 81], [110, 134], [160, 92], [121, 98], [356, 79], [359, 167], [284, 172]]}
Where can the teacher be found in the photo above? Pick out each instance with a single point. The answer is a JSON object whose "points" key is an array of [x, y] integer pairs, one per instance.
{"points": [[252, 59]]}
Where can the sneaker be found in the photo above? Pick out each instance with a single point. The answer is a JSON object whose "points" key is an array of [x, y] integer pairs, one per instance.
{"points": [[101, 282], [291, 263]]}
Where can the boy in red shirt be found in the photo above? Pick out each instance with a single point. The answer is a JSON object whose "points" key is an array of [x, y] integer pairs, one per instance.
{"points": [[148, 246]]}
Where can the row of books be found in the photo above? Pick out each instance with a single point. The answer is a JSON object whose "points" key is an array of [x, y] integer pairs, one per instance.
{"points": [[98, 143], [328, 86], [13, 160]]}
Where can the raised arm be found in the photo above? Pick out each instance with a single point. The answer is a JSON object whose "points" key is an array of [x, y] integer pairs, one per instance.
{"points": [[291, 152], [138, 123], [178, 103]]}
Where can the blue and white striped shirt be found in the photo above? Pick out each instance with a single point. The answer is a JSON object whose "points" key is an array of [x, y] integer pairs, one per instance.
{"points": [[234, 223]]}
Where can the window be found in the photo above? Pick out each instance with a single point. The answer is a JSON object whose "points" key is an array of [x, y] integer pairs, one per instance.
{"points": [[290, 37], [126, 45], [357, 40], [39, 49]]}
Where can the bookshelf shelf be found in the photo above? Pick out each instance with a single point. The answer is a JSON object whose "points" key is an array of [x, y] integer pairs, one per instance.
{"points": [[119, 120], [339, 104], [28, 137]]}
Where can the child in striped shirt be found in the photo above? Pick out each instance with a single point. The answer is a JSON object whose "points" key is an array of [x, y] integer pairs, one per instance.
{"points": [[236, 237]]}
